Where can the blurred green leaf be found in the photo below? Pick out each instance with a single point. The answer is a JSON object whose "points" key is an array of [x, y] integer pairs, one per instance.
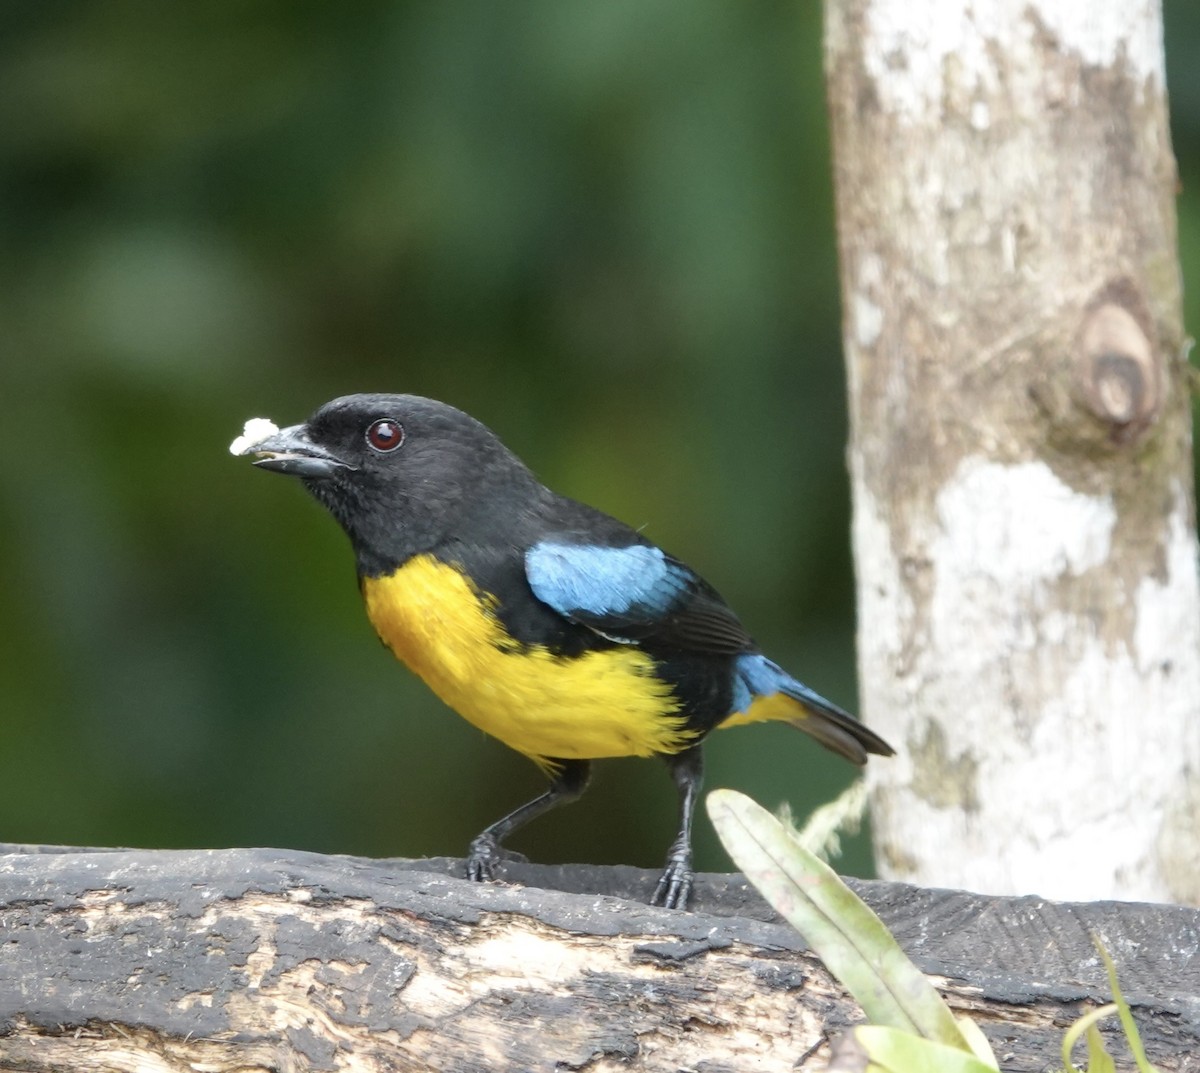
{"points": [[848, 937], [881, 1049]]}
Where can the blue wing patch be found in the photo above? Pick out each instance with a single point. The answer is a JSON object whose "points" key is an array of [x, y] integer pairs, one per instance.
{"points": [[602, 582], [636, 594]]}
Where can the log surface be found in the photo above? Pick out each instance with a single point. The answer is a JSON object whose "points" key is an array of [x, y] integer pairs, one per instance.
{"points": [[282, 960]]}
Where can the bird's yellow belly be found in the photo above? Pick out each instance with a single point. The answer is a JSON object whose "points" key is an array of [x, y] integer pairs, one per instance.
{"points": [[602, 703]]}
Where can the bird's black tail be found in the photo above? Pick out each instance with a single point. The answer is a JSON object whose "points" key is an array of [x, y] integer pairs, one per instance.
{"points": [[779, 696]]}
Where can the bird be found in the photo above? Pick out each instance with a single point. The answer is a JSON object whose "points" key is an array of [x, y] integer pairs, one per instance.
{"points": [[548, 624]]}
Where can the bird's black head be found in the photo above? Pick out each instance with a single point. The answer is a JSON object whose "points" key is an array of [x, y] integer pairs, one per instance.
{"points": [[402, 474]]}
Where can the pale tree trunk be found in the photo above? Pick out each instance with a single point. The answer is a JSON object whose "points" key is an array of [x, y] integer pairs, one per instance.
{"points": [[1024, 529]]}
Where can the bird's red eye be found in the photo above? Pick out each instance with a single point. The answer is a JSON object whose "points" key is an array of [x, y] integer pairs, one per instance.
{"points": [[385, 435]]}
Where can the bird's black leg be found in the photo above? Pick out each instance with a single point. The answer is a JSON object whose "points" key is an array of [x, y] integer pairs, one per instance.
{"points": [[675, 887], [568, 783]]}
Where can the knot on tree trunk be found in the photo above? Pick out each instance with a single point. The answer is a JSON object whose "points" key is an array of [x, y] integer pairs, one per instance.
{"points": [[1119, 378]]}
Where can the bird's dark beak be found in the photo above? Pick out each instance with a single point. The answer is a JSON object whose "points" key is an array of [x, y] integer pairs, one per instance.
{"points": [[291, 451]]}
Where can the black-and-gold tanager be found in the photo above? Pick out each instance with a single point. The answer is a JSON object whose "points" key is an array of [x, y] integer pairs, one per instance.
{"points": [[546, 623]]}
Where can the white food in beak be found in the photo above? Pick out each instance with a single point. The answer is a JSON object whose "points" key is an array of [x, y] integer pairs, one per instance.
{"points": [[256, 430]]}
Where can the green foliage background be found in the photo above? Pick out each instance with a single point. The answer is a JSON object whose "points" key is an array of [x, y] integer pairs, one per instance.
{"points": [[603, 228]]}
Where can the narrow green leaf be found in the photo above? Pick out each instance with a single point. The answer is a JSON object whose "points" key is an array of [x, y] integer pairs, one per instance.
{"points": [[1079, 1028], [848, 937], [892, 1050], [1099, 1060], [976, 1040], [1124, 1012]]}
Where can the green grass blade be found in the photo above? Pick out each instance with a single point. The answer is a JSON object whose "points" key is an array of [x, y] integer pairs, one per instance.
{"points": [[847, 936]]}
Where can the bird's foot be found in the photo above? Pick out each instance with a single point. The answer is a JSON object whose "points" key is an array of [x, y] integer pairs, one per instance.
{"points": [[485, 854], [482, 858], [675, 887]]}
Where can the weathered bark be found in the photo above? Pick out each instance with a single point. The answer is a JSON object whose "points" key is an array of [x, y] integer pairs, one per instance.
{"points": [[271, 960], [1024, 530]]}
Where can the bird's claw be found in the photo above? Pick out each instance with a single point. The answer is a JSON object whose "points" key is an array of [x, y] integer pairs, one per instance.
{"points": [[485, 854], [675, 887], [482, 858]]}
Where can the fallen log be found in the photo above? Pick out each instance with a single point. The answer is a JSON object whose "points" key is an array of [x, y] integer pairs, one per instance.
{"points": [[252, 959]]}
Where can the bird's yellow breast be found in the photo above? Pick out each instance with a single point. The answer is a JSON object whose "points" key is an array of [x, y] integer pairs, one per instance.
{"points": [[601, 703]]}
